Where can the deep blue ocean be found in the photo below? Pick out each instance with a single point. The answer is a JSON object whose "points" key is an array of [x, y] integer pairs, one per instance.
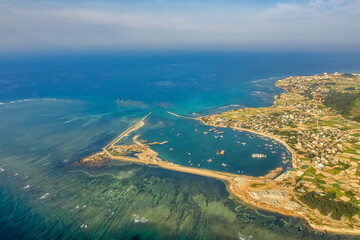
{"points": [[56, 108]]}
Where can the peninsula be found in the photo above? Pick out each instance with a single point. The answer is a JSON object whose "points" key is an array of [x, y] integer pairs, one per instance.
{"points": [[317, 119]]}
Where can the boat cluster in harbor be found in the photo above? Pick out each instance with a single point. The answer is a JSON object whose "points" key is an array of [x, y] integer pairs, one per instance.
{"points": [[219, 159], [219, 134]]}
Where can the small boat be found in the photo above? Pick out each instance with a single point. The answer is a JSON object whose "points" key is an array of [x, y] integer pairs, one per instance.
{"points": [[212, 129], [258, 155], [179, 134], [224, 164], [216, 137], [243, 143], [209, 160], [220, 132], [220, 152], [206, 133], [188, 153], [171, 149], [196, 130]]}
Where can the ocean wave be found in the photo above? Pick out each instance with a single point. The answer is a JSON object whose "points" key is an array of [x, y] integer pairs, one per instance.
{"points": [[28, 100], [164, 105], [164, 84], [231, 105], [255, 93], [195, 114], [44, 196], [264, 79], [268, 79], [131, 103], [72, 120], [121, 176]]}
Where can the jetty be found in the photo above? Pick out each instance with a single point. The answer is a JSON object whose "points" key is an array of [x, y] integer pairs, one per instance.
{"points": [[134, 127], [176, 115]]}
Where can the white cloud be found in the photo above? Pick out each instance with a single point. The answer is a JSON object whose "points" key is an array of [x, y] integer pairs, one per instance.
{"points": [[28, 25]]}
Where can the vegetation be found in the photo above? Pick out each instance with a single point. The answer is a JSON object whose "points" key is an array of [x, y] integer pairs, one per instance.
{"points": [[330, 83], [350, 88], [312, 170], [327, 205], [344, 103], [116, 153], [348, 75], [255, 185], [286, 133]]}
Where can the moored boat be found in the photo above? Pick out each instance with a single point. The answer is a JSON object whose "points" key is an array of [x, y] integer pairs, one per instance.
{"points": [[220, 152]]}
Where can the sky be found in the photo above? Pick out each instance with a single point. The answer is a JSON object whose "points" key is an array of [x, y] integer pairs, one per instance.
{"points": [[43, 25]]}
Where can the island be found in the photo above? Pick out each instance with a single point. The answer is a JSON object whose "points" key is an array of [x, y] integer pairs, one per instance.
{"points": [[317, 120]]}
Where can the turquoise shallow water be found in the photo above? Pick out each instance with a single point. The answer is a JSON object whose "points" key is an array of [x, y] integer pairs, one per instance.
{"points": [[43, 197]]}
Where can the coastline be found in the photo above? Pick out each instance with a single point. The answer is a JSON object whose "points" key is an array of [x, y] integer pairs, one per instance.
{"points": [[313, 217], [293, 154], [230, 187], [231, 180], [237, 185]]}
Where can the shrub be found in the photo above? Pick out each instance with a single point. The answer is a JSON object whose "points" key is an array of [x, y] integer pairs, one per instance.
{"points": [[327, 205], [350, 88], [348, 75], [341, 102]]}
